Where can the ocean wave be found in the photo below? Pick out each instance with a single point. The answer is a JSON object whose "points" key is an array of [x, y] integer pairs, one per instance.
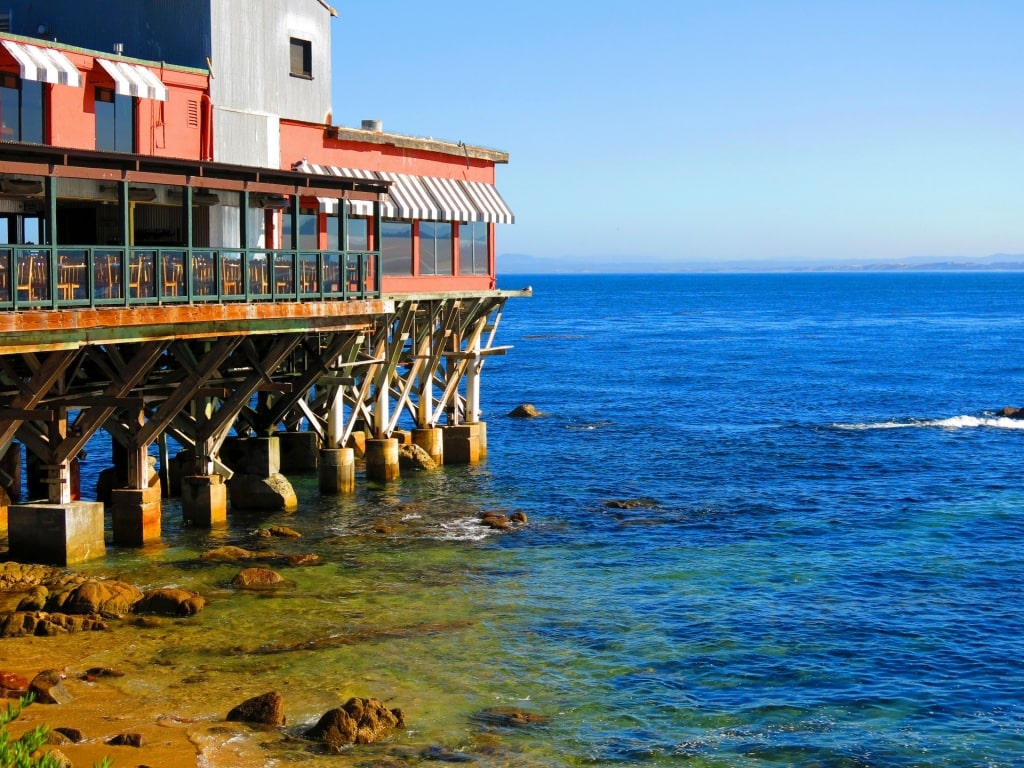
{"points": [[955, 422]]}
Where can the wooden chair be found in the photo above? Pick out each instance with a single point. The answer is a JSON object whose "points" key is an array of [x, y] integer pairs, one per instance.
{"points": [[231, 277], [173, 281], [32, 281]]}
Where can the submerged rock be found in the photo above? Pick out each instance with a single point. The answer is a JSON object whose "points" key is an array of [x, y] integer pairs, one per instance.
{"points": [[257, 577], [509, 717], [108, 598]]}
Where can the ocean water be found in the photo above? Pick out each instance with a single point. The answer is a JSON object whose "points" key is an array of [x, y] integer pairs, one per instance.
{"points": [[774, 520]]}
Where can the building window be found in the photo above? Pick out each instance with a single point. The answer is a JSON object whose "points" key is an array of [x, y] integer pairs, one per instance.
{"points": [[435, 248], [358, 234], [396, 247], [21, 109], [302, 58], [473, 248], [115, 121]]}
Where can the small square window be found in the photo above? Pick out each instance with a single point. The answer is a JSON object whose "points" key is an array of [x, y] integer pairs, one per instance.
{"points": [[302, 58]]}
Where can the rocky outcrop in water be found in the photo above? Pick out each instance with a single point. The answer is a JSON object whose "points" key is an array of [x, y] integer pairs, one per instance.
{"points": [[265, 709], [257, 578], [413, 457], [171, 602], [358, 721], [525, 411]]}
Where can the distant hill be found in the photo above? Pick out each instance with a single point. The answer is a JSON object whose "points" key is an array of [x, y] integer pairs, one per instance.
{"points": [[524, 264]]}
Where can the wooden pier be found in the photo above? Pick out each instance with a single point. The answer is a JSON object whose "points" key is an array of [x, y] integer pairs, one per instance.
{"points": [[203, 346]]}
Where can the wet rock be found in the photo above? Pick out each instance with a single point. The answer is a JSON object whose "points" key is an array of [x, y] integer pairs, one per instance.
{"points": [[265, 709], [57, 739], [1012, 413], [358, 721], [48, 687], [262, 493], [254, 578], [509, 717], [446, 755], [111, 599], [413, 457], [229, 554], [525, 411], [125, 740], [518, 517], [281, 531], [630, 503], [306, 559], [34, 599], [54, 757], [171, 602], [95, 673], [12, 685], [71, 734], [494, 520], [20, 624]]}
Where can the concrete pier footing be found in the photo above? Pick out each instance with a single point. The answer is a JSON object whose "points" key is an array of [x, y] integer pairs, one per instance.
{"points": [[136, 515], [204, 501], [56, 534], [299, 451], [465, 443], [382, 459], [259, 484], [432, 441], [337, 470]]}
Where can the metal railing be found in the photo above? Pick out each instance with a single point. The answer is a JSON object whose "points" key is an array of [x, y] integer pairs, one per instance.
{"points": [[66, 277]]}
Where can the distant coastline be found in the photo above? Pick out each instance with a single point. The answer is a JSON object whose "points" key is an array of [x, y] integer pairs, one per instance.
{"points": [[521, 264]]}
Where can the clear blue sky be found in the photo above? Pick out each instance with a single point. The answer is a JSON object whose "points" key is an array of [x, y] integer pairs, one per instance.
{"points": [[714, 130]]}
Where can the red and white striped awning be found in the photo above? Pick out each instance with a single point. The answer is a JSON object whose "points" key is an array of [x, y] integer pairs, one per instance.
{"points": [[427, 198], [134, 80], [44, 65]]}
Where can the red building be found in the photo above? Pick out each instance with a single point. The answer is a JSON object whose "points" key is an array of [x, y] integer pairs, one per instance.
{"points": [[83, 130]]}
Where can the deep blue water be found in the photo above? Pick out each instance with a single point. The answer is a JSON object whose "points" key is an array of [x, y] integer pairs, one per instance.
{"points": [[824, 568], [774, 520]]}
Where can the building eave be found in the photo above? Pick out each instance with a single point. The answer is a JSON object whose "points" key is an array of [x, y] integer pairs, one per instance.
{"points": [[341, 133]]}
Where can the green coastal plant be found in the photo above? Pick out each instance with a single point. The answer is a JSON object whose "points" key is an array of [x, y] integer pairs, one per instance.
{"points": [[21, 753]]}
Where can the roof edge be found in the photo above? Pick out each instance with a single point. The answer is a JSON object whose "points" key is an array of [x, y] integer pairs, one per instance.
{"points": [[411, 142]]}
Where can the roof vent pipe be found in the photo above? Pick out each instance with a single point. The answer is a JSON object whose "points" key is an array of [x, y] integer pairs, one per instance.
{"points": [[119, 49], [373, 125]]}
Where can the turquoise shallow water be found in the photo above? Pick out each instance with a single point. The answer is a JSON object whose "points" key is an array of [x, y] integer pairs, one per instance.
{"points": [[820, 564]]}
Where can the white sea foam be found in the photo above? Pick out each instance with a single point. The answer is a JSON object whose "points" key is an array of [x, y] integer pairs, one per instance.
{"points": [[464, 529], [955, 422]]}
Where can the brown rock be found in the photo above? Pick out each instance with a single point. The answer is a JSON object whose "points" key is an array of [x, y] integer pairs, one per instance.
{"points": [[228, 554], [35, 599], [307, 559], [359, 721], [525, 411], [518, 517], [509, 717], [57, 759], [281, 531], [171, 602], [13, 682], [266, 709], [48, 687], [126, 740], [95, 673], [494, 520], [413, 457], [254, 578], [108, 598], [72, 734], [20, 624]]}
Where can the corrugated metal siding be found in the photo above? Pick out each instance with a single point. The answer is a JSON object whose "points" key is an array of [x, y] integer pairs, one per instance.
{"points": [[175, 32], [252, 59], [246, 139]]}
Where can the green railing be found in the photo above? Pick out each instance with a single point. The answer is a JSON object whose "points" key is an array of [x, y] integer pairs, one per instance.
{"points": [[65, 277]]}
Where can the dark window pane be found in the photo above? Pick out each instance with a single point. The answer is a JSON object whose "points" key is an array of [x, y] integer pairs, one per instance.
{"points": [[301, 57], [473, 248], [31, 112], [10, 114], [115, 121]]}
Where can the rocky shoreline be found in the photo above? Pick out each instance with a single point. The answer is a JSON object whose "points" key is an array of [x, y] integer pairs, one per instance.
{"points": [[50, 619]]}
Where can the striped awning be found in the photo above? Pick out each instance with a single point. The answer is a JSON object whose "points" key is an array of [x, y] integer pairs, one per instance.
{"points": [[428, 198], [134, 80], [45, 65]]}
